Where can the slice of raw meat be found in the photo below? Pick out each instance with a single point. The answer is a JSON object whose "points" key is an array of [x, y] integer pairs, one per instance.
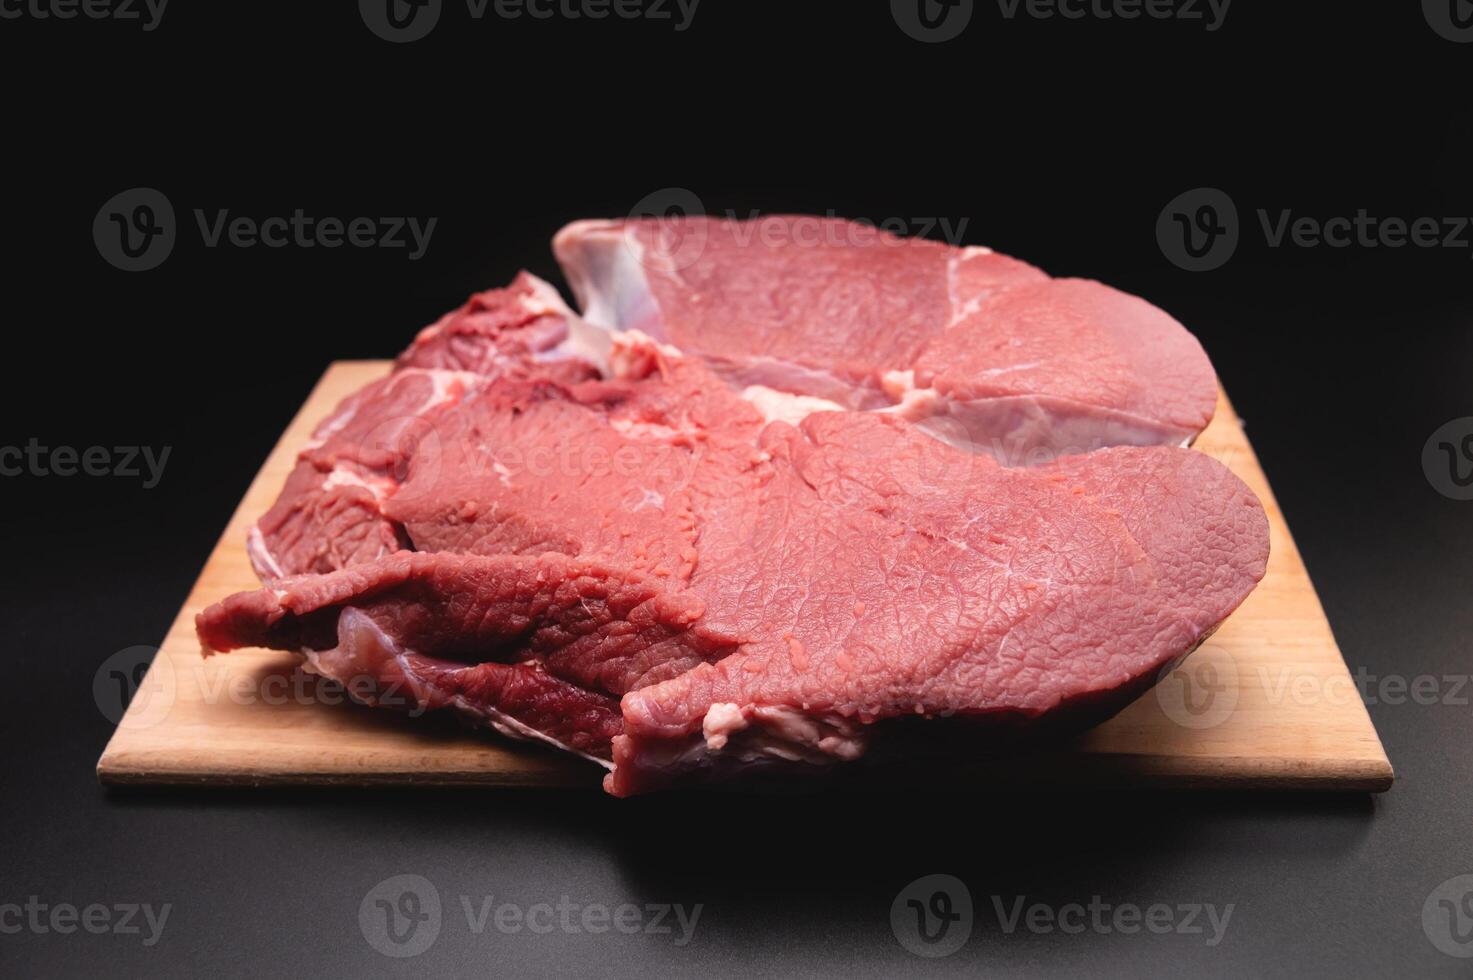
{"points": [[807, 584], [538, 647], [983, 350], [329, 515], [1031, 594], [522, 329]]}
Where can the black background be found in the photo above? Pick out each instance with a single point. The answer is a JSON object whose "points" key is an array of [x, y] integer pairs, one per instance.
{"points": [[1058, 141]]}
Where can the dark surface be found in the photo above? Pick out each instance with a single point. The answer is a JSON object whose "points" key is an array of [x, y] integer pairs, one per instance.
{"points": [[1059, 141]]}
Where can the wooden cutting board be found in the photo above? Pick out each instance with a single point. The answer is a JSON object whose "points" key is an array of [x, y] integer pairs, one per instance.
{"points": [[1266, 702]]}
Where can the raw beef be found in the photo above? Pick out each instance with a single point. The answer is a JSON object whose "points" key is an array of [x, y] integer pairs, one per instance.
{"points": [[329, 514], [982, 350], [645, 570]]}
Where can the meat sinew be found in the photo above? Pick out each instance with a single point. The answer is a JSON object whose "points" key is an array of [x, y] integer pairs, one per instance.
{"points": [[601, 545]]}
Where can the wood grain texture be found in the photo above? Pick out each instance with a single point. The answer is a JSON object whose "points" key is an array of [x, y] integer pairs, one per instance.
{"points": [[1266, 702]]}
